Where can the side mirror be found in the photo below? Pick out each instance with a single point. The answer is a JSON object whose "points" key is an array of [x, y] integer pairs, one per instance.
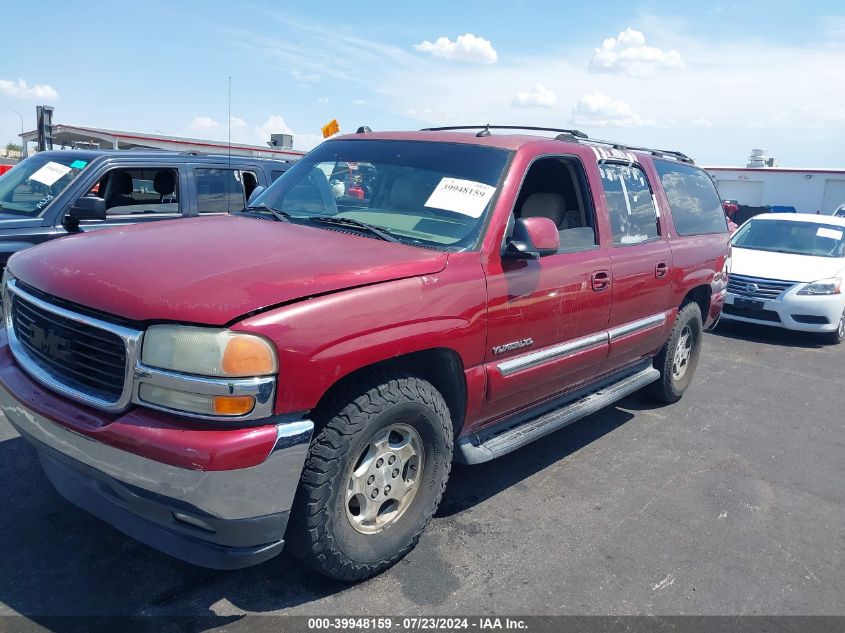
{"points": [[532, 238], [86, 208], [255, 193]]}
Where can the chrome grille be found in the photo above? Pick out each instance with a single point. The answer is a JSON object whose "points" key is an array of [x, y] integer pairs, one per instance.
{"points": [[77, 355], [757, 287]]}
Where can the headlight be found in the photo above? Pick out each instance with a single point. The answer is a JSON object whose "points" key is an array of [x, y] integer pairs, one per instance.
{"points": [[218, 373], [830, 286], [208, 352]]}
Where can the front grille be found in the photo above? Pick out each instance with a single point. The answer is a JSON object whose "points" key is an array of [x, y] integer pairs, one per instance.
{"points": [[760, 315], [760, 288], [82, 357]]}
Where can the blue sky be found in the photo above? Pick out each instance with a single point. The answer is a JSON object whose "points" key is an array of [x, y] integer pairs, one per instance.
{"points": [[712, 79]]}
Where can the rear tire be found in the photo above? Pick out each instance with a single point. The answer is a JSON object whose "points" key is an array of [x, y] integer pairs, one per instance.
{"points": [[837, 336], [374, 476], [678, 358]]}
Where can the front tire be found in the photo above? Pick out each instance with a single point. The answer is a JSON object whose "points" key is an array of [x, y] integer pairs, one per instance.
{"points": [[837, 336], [678, 358], [374, 476]]}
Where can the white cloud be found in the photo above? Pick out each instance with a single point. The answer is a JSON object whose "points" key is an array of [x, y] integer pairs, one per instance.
{"points": [[538, 96], [322, 100], [203, 123], [237, 122], [275, 124], [628, 54], [305, 79], [598, 110], [466, 48], [21, 90], [358, 102]]}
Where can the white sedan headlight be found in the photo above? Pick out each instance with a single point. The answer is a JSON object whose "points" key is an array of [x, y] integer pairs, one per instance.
{"points": [[830, 286]]}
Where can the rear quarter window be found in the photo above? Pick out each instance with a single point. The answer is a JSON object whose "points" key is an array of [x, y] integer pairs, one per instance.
{"points": [[693, 200]]}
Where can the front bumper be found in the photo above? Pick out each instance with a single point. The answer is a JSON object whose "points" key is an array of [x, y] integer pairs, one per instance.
{"points": [[224, 519], [805, 313]]}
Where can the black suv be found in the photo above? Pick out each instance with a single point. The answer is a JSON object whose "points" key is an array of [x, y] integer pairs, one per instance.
{"points": [[52, 194]]}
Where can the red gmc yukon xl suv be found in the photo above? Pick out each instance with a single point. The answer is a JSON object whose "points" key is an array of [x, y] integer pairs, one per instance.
{"points": [[306, 370]]}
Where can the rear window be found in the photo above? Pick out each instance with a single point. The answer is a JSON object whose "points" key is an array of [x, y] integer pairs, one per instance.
{"points": [[693, 199]]}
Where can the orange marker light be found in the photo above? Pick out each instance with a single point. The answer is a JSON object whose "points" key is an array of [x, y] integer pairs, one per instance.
{"points": [[248, 356], [233, 405]]}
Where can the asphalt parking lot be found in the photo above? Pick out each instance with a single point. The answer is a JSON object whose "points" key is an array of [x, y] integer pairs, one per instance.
{"points": [[729, 502]]}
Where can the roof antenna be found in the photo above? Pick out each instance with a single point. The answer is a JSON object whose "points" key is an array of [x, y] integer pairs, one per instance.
{"points": [[230, 121], [485, 131]]}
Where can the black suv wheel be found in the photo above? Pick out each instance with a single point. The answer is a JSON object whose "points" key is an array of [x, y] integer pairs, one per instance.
{"points": [[374, 476], [678, 358]]}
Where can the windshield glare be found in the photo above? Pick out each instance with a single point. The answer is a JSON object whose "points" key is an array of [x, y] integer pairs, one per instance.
{"points": [[33, 183], [424, 193], [794, 237]]}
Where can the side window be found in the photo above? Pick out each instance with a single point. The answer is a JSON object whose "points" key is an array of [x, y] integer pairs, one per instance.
{"points": [[141, 190], [556, 188], [633, 216], [693, 199], [223, 190]]}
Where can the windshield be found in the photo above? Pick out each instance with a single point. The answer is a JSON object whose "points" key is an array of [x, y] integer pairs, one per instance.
{"points": [[33, 183], [794, 237], [417, 192]]}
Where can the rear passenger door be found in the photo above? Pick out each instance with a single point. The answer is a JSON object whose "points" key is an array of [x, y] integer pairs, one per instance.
{"points": [[223, 189], [640, 259]]}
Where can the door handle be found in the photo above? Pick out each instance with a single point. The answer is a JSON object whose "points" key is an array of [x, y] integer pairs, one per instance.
{"points": [[601, 280], [661, 269]]}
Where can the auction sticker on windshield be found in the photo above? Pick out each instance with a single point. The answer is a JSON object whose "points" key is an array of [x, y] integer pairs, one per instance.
{"points": [[461, 196], [50, 173], [831, 233]]}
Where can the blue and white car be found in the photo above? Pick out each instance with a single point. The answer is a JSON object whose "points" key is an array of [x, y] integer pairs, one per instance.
{"points": [[787, 270]]}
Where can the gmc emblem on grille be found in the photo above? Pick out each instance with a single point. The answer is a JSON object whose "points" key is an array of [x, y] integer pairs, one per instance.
{"points": [[49, 343]]}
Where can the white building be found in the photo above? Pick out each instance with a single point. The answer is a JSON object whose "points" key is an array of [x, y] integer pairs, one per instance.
{"points": [[808, 190]]}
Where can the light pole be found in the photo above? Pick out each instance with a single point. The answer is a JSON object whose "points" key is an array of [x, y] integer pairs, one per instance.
{"points": [[23, 143]]}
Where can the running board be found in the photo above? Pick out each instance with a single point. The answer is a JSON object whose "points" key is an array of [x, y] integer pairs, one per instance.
{"points": [[478, 448]]}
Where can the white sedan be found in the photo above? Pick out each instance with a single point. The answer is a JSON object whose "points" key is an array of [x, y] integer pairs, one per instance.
{"points": [[787, 271]]}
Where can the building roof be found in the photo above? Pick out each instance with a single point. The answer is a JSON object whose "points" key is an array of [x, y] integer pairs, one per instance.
{"points": [[64, 134], [800, 170]]}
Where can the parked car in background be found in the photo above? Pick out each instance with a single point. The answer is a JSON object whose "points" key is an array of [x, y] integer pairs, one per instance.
{"points": [[840, 211], [787, 271], [307, 369], [730, 207], [57, 193]]}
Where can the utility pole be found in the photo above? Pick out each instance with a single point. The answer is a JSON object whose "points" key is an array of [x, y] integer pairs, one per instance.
{"points": [[23, 144]]}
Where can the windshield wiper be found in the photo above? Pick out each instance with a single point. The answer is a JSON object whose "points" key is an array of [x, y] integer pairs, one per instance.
{"points": [[281, 216], [352, 223]]}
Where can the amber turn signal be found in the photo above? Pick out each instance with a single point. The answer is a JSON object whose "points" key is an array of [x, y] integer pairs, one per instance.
{"points": [[248, 356], [233, 405]]}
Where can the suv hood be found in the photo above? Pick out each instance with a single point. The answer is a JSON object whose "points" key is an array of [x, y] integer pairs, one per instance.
{"points": [[212, 270], [783, 266]]}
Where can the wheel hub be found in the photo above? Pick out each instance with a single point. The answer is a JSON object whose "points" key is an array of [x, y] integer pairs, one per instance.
{"points": [[683, 352], [384, 478]]}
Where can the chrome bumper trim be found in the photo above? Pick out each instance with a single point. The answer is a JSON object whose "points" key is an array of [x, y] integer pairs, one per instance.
{"points": [[244, 493]]}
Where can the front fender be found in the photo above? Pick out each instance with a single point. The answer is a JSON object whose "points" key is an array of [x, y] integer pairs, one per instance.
{"points": [[323, 339]]}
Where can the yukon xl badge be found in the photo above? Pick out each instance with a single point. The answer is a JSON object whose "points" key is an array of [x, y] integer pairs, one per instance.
{"points": [[501, 349]]}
